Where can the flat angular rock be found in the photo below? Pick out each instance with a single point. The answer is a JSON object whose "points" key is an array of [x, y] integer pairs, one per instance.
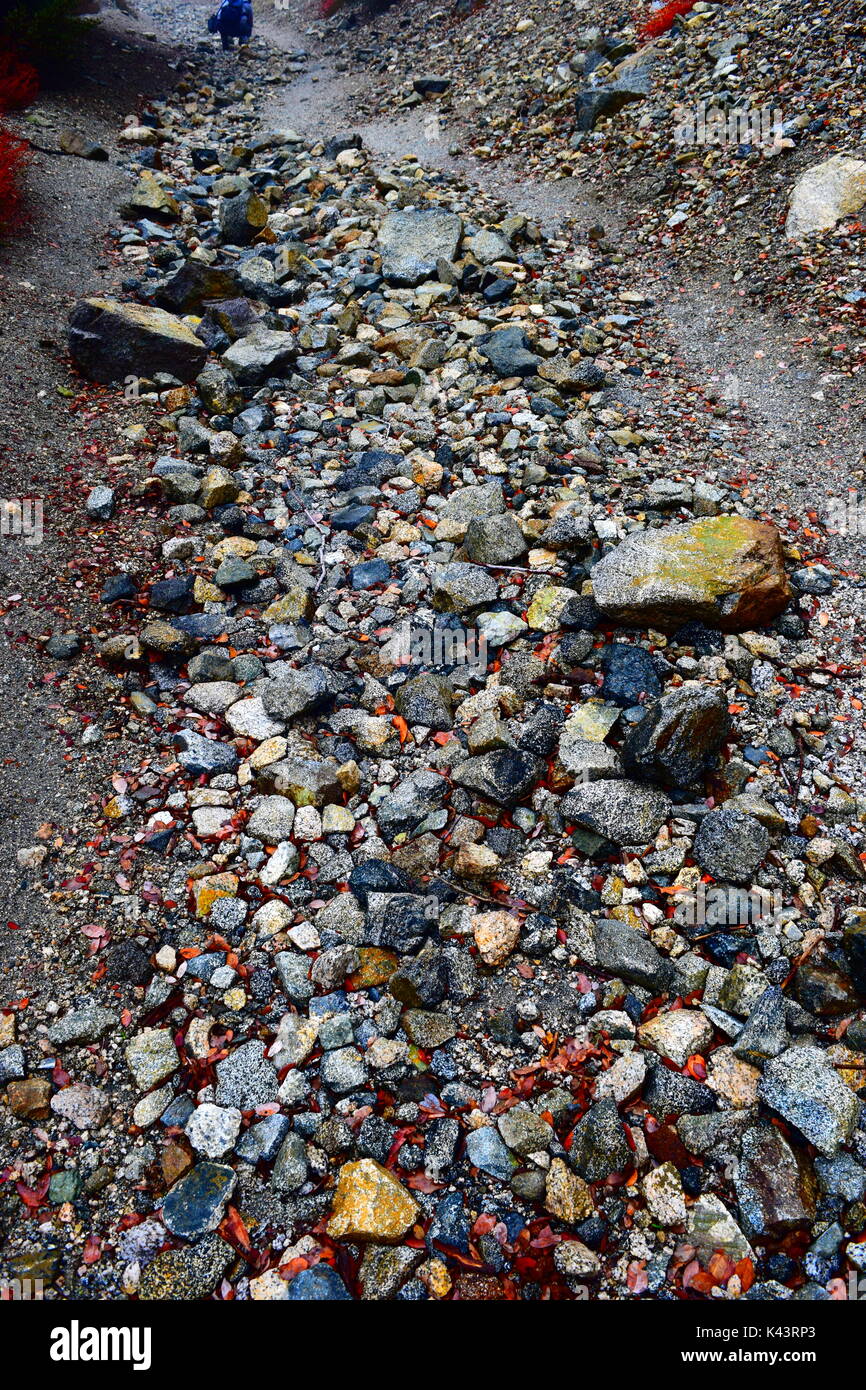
{"points": [[298, 692], [195, 1205], [262, 353], [152, 1056], [495, 540], [213, 1129], [663, 1191], [320, 1284], [504, 776], [82, 1025], [765, 1033], [628, 813], [508, 352], [110, 340], [725, 571], [599, 1146], [84, 1106], [245, 1078], [496, 935], [712, 1227], [776, 1187], [459, 588], [677, 1035], [622, 951], [272, 820], [801, 1087], [730, 845], [567, 1195], [190, 287], [187, 1274], [523, 1131], [242, 217], [371, 1204], [486, 1150], [411, 242], [204, 755]]}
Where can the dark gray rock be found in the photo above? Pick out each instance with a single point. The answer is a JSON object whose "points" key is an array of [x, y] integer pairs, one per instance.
{"points": [[679, 737], [627, 813], [801, 1087], [504, 776], [599, 1146], [623, 952], [730, 845]]}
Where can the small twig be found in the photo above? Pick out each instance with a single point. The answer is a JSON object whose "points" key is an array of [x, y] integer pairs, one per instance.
{"points": [[467, 892]]}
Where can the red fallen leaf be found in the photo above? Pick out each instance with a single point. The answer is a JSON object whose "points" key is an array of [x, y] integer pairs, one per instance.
{"points": [[697, 1067], [295, 1266], [92, 1250], [637, 1278], [60, 1077], [745, 1272], [544, 1239], [421, 1183], [484, 1225], [696, 1278], [720, 1267], [14, 926], [525, 971], [401, 726], [33, 1197], [233, 1230], [126, 1018]]}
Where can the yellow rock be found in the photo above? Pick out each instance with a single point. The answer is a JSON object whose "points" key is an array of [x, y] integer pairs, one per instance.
{"points": [[567, 1195], [545, 610], [236, 547], [434, 1273], [370, 1204], [207, 890], [292, 607], [203, 591], [269, 752], [496, 935]]}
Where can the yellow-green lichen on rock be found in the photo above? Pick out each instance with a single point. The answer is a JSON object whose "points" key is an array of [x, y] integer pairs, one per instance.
{"points": [[370, 1204], [725, 571]]}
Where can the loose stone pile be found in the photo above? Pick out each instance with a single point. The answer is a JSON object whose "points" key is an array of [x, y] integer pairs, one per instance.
{"points": [[738, 123], [488, 915]]}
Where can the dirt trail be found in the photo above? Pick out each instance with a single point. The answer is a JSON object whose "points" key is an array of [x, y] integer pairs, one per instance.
{"points": [[59, 254], [797, 412]]}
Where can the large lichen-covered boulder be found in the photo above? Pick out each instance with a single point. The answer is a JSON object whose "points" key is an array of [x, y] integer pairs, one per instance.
{"points": [[110, 340], [824, 194], [725, 571]]}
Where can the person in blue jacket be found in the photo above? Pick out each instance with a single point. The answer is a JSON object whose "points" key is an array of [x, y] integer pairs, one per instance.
{"points": [[233, 20]]}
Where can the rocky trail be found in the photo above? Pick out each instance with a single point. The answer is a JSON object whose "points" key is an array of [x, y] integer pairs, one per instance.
{"points": [[438, 770]]}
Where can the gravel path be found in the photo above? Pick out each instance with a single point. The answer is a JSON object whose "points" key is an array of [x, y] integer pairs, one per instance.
{"points": [[346, 963]]}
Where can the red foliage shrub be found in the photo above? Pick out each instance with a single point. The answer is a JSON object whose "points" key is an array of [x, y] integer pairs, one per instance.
{"points": [[329, 7], [13, 154], [19, 82], [661, 20]]}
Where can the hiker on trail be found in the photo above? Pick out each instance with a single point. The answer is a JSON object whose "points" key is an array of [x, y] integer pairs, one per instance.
{"points": [[233, 20]]}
